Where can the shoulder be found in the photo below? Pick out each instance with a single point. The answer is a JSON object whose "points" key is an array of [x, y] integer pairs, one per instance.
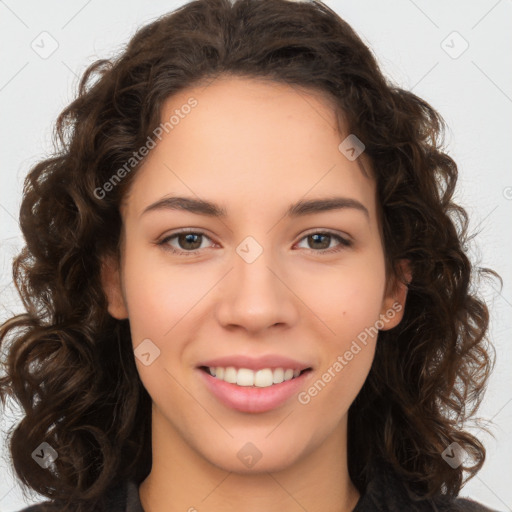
{"points": [[40, 507], [387, 492], [468, 505], [45, 506]]}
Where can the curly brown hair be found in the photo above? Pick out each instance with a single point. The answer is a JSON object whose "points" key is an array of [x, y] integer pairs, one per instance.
{"points": [[70, 365]]}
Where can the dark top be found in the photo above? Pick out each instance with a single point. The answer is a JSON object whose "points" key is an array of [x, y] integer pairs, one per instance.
{"points": [[384, 493]]}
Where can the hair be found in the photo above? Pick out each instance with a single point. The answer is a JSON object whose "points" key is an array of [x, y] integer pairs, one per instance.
{"points": [[70, 365]]}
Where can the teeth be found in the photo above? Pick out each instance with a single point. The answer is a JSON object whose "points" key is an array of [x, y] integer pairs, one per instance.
{"points": [[261, 378]]}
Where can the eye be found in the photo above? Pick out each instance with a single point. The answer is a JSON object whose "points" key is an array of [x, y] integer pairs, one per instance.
{"points": [[189, 242], [322, 239]]}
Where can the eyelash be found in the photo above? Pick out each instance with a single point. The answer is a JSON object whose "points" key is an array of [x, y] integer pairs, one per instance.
{"points": [[343, 242]]}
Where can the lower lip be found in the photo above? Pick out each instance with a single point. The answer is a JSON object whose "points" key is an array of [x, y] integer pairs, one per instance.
{"points": [[253, 399]]}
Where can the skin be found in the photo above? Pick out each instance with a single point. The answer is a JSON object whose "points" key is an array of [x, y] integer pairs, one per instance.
{"points": [[253, 147]]}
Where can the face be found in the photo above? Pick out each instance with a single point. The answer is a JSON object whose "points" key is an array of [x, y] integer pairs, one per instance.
{"points": [[307, 284]]}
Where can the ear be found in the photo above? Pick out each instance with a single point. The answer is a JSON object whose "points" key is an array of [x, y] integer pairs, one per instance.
{"points": [[393, 305], [111, 283]]}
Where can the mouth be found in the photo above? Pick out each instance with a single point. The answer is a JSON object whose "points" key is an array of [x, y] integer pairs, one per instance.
{"points": [[249, 396], [262, 378]]}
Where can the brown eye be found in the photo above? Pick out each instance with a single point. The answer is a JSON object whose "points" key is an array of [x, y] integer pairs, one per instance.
{"points": [[187, 243], [321, 241], [189, 240]]}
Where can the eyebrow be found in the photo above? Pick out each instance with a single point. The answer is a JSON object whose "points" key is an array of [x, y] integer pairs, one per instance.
{"points": [[299, 209]]}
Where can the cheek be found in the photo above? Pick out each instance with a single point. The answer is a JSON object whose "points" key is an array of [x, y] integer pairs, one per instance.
{"points": [[346, 299], [158, 295], [348, 302], [349, 313]]}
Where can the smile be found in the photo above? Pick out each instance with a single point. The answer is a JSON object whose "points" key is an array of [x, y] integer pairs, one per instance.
{"points": [[243, 392]]}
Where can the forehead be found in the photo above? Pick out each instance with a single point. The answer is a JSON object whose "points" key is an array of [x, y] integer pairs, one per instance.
{"points": [[263, 140]]}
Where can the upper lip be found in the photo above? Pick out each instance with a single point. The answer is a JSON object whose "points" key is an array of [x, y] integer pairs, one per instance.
{"points": [[256, 363]]}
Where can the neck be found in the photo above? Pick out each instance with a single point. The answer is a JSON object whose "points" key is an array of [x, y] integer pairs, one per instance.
{"points": [[181, 479]]}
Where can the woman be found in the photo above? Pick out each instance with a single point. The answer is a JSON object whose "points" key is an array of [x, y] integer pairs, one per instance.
{"points": [[251, 368]]}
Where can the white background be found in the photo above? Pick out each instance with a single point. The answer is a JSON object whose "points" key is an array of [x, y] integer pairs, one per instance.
{"points": [[473, 92]]}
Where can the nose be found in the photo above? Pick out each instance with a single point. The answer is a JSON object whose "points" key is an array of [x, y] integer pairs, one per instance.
{"points": [[255, 295]]}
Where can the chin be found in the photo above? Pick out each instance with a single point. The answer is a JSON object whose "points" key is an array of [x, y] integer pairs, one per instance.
{"points": [[251, 458]]}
